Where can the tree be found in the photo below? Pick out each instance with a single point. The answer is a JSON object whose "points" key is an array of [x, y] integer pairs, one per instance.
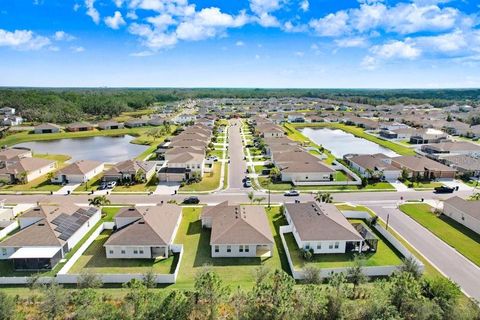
{"points": [[337, 294], [274, 174], [441, 290], [259, 200], [50, 176], [149, 279], [312, 275], [136, 297], [139, 176], [7, 306], [175, 306], [475, 196], [355, 273], [251, 196], [99, 201], [405, 292], [55, 300], [404, 174], [209, 293], [88, 279], [411, 266]]}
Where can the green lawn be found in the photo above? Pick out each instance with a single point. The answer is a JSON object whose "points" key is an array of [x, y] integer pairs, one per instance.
{"points": [[93, 184], [453, 233], [210, 181], [216, 153], [423, 184], [386, 255], [234, 271], [284, 186], [359, 132], [94, 260], [60, 158], [151, 185]]}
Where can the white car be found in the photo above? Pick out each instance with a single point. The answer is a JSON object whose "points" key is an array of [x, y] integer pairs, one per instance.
{"points": [[213, 158]]}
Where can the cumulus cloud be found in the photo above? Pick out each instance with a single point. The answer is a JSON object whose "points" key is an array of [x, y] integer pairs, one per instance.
{"points": [[91, 11], [351, 42], [63, 36], [396, 49], [22, 40], [304, 5], [77, 49], [115, 21], [263, 10], [332, 25]]}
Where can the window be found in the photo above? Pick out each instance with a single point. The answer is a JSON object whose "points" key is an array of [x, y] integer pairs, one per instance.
{"points": [[240, 249], [141, 251], [330, 246], [111, 251], [217, 249], [229, 248], [307, 246], [247, 249], [123, 251], [319, 246], [135, 251], [4, 251], [336, 245]]}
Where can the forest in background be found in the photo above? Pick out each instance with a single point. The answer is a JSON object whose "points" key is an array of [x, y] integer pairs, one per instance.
{"points": [[63, 105]]}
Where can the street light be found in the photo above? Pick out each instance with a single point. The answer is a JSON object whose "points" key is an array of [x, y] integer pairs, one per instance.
{"points": [[269, 196]]}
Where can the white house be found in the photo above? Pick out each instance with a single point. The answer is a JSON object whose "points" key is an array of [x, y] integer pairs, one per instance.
{"points": [[78, 172], [26, 169], [184, 118], [374, 166], [322, 228], [145, 232], [464, 212], [238, 231], [47, 233]]}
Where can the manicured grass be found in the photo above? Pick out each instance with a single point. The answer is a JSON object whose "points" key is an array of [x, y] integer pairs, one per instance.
{"points": [[423, 184], [216, 153], [93, 184], [284, 186], [210, 181], [60, 158], [359, 132], [151, 185], [146, 153], [386, 255], [233, 271], [453, 233], [94, 260]]}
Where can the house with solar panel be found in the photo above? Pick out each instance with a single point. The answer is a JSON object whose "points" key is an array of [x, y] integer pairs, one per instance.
{"points": [[46, 234]]}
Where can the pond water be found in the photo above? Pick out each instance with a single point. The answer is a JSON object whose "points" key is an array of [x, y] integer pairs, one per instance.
{"points": [[101, 148], [341, 143]]}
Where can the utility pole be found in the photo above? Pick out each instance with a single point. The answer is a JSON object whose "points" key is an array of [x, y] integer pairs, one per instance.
{"points": [[269, 197], [388, 218]]}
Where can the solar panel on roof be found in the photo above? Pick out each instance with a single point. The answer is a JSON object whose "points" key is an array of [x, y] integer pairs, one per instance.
{"points": [[67, 225]]}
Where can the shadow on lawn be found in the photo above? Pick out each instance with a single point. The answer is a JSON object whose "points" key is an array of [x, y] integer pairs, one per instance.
{"points": [[459, 227]]}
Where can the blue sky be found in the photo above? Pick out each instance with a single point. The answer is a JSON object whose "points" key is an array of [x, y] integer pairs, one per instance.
{"points": [[240, 43]]}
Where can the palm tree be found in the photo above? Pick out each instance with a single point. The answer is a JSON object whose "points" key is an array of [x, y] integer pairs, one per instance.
{"points": [[318, 196], [475, 196], [99, 201], [251, 195]]}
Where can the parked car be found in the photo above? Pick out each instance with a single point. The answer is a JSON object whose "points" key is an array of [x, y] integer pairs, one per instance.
{"points": [[111, 184], [191, 200], [213, 158], [102, 186], [291, 193], [247, 184], [444, 189]]}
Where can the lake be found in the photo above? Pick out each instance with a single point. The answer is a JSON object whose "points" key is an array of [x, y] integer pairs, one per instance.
{"points": [[341, 143], [101, 148]]}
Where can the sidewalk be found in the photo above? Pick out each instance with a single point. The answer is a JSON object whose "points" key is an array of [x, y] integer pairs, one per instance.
{"points": [[68, 187]]}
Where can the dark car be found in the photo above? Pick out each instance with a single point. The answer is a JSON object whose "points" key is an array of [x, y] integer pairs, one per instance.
{"points": [[191, 200], [444, 189]]}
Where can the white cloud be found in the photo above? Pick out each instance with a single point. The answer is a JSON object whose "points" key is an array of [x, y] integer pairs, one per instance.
{"points": [[142, 54], [118, 3], [396, 49], [162, 21], [290, 27], [265, 6], [152, 39], [446, 43], [304, 5], [63, 36], [369, 63], [132, 15], [351, 42], [299, 54], [76, 6], [22, 40], [240, 43], [332, 25], [77, 49], [267, 20], [115, 21], [91, 11]]}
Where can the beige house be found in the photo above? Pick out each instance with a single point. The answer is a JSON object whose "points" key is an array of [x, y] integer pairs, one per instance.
{"points": [[144, 232], [129, 170], [322, 228], [423, 167], [26, 169], [238, 231], [78, 172], [464, 212]]}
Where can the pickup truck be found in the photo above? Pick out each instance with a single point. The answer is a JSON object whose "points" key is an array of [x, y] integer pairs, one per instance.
{"points": [[444, 189]]}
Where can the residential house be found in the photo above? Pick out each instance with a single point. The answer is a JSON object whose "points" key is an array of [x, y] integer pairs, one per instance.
{"points": [[452, 148], [46, 128], [296, 117], [184, 118], [135, 123], [464, 212], [47, 233], [110, 125], [78, 172], [131, 170], [374, 166], [238, 230], [25, 170], [298, 172], [79, 126], [14, 154], [423, 167], [322, 228], [465, 165], [144, 232]]}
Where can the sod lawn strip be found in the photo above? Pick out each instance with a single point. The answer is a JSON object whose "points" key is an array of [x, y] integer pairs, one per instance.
{"points": [[386, 254], [464, 240], [210, 180], [285, 186]]}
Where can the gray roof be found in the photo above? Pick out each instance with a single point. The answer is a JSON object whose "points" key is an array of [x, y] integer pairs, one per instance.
{"points": [[471, 208], [321, 222], [154, 225]]}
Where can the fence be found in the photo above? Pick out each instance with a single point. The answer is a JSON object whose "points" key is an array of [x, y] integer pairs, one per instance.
{"points": [[337, 166], [368, 271], [64, 277], [5, 231]]}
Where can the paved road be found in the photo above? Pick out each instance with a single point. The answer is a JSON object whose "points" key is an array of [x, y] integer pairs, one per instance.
{"points": [[238, 166], [444, 257]]}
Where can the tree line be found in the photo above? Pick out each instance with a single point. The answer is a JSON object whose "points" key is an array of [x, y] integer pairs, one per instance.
{"points": [[66, 105], [274, 296]]}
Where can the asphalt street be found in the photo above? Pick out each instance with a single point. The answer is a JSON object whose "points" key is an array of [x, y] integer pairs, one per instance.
{"points": [[237, 166]]}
